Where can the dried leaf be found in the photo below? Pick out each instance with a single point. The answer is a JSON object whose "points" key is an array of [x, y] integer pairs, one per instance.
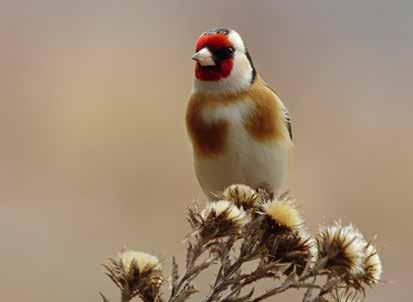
{"points": [[185, 293], [189, 253], [175, 273], [114, 280], [104, 299]]}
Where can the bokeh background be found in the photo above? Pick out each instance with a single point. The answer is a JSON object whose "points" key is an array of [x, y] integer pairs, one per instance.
{"points": [[94, 153]]}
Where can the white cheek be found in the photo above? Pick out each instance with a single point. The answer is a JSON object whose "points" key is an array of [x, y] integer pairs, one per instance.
{"points": [[241, 71], [236, 41]]}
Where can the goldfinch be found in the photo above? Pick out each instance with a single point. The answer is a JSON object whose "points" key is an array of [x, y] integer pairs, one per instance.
{"points": [[239, 128]]}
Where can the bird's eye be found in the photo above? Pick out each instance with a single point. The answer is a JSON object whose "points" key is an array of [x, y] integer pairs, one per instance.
{"points": [[223, 53]]}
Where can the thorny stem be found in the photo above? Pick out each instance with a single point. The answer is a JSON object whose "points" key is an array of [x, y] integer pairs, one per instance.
{"points": [[189, 271], [224, 281], [248, 279], [285, 286], [220, 284], [299, 284]]}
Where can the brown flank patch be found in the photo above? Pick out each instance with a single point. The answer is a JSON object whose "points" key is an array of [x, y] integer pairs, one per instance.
{"points": [[208, 139]]}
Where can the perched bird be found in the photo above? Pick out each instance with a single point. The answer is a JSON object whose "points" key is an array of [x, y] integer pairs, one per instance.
{"points": [[239, 128]]}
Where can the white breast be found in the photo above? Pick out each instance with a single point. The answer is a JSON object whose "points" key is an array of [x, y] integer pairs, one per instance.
{"points": [[246, 160]]}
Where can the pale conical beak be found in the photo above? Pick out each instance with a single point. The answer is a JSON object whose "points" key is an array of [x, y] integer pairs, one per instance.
{"points": [[204, 57]]}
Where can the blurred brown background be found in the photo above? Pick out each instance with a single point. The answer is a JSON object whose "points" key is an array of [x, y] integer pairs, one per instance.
{"points": [[94, 153]]}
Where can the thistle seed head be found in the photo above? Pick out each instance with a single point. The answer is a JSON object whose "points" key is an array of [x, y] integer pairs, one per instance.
{"points": [[283, 216], [343, 249], [138, 260], [135, 273], [242, 196], [297, 249], [218, 219]]}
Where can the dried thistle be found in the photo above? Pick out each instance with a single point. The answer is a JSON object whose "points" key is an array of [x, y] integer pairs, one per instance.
{"points": [[269, 235], [343, 247], [282, 216], [298, 249], [219, 219], [242, 196], [136, 274]]}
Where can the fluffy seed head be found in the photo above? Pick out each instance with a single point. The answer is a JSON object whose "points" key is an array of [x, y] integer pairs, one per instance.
{"points": [[283, 214], [143, 261], [136, 273], [226, 210], [343, 249], [242, 196], [219, 218]]}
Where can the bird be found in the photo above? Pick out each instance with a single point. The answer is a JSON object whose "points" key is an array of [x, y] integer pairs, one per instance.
{"points": [[239, 128]]}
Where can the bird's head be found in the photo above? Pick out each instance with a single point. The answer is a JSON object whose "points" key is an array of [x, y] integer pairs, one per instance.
{"points": [[223, 64]]}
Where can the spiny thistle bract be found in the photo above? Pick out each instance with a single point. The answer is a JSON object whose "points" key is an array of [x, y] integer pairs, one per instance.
{"points": [[345, 295], [372, 265]]}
